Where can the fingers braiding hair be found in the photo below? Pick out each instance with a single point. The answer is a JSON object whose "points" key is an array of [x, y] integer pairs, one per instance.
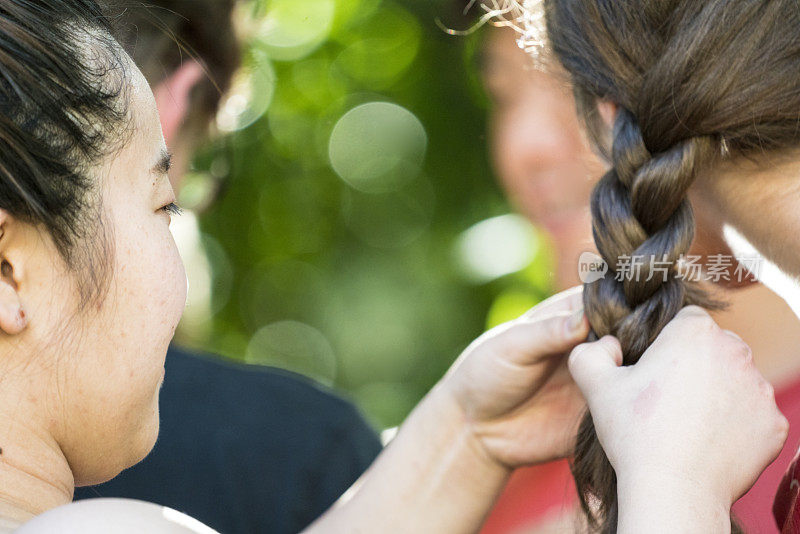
{"points": [[640, 211]]}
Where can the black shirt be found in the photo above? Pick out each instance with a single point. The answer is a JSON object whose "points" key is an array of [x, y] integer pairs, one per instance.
{"points": [[247, 449]]}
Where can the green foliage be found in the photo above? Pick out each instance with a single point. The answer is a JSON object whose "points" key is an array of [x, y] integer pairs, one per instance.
{"points": [[352, 277]]}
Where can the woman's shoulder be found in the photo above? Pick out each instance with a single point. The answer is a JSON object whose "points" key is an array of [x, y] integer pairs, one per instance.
{"points": [[121, 516]]}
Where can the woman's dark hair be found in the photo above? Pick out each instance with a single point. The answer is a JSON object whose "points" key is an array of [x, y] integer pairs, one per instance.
{"points": [[694, 81], [62, 108]]}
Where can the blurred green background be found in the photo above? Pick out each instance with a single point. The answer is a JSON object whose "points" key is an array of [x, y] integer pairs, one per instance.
{"points": [[358, 235]]}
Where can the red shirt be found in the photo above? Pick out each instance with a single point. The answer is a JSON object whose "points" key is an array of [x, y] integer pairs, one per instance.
{"points": [[535, 495], [753, 511], [785, 508]]}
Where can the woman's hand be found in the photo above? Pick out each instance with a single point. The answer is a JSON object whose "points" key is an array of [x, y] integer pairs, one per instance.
{"points": [[688, 429], [513, 386]]}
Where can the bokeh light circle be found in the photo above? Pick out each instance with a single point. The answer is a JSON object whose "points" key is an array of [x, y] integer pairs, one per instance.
{"points": [[293, 29], [249, 97], [496, 247], [295, 346], [377, 147]]}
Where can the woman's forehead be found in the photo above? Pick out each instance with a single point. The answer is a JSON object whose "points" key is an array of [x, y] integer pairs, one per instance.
{"points": [[144, 112]]}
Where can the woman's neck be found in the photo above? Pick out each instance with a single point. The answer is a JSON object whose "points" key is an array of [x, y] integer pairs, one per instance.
{"points": [[34, 474]]}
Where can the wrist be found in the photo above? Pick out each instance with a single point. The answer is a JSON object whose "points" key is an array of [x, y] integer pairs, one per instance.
{"points": [[435, 469], [443, 412], [430, 478], [665, 502]]}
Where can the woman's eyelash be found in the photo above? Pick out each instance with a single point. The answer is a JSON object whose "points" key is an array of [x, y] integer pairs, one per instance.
{"points": [[173, 209]]}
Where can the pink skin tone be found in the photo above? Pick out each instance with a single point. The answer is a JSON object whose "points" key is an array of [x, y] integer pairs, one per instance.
{"points": [[374, 501], [645, 402], [669, 392], [464, 416], [545, 164]]}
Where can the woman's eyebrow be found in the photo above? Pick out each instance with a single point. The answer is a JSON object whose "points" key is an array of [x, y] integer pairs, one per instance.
{"points": [[164, 163]]}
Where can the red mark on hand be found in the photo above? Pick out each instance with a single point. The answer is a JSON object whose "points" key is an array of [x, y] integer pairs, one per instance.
{"points": [[646, 399]]}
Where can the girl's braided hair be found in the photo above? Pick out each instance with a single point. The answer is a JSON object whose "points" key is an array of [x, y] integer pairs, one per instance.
{"points": [[693, 81]]}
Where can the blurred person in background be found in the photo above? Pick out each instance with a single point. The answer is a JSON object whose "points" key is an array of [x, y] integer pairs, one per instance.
{"points": [[242, 448], [546, 166]]}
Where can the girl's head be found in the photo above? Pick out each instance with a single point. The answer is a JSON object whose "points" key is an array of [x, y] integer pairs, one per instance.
{"points": [[707, 98], [91, 285], [702, 100]]}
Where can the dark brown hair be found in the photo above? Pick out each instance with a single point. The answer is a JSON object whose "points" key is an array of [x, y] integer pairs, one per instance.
{"points": [[161, 34], [63, 106], [693, 80]]}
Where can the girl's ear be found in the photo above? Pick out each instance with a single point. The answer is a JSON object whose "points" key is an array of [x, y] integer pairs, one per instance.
{"points": [[608, 112]]}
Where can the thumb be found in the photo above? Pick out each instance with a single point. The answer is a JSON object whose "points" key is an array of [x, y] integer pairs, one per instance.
{"points": [[591, 363]]}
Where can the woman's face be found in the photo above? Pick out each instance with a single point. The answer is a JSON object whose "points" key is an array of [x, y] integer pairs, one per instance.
{"points": [[540, 153], [92, 375], [542, 156]]}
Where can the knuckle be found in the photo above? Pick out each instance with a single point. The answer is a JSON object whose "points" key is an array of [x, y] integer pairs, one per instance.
{"points": [[767, 389], [744, 352], [733, 349], [704, 323], [732, 334], [557, 326], [779, 432], [782, 427], [510, 336], [542, 331], [692, 312], [696, 320]]}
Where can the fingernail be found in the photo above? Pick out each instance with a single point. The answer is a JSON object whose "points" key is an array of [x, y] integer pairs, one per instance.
{"points": [[575, 321]]}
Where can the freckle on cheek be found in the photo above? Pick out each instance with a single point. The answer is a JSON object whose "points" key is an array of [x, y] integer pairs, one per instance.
{"points": [[646, 400]]}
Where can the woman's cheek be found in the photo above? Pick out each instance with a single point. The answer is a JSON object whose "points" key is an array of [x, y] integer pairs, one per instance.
{"points": [[165, 278], [179, 281]]}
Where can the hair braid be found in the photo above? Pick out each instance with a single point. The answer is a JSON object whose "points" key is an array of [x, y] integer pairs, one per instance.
{"points": [[639, 210]]}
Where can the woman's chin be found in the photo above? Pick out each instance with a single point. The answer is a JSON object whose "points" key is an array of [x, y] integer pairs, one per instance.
{"points": [[145, 438]]}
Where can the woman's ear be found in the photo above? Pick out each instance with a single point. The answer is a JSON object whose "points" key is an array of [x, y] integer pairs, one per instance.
{"points": [[12, 316]]}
